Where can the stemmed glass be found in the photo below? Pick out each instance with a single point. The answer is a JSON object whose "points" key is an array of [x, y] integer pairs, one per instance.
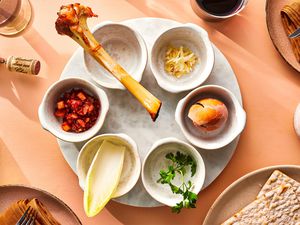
{"points": [[15, 16], [214, 10]]}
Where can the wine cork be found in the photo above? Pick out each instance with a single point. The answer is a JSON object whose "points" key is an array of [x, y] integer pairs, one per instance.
{"points": [[23, 65]]}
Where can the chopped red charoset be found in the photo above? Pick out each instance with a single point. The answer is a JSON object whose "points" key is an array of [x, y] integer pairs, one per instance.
{"points": [[78, 110]]}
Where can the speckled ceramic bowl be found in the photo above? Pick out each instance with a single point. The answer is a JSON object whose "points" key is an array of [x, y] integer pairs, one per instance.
{"points": [[156, 161], [234, 125], [53, 125], [131, 167], [125, 45], [196, 39]]}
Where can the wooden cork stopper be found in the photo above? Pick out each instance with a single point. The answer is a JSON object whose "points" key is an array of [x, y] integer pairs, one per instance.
{"points": [[23, 65]]}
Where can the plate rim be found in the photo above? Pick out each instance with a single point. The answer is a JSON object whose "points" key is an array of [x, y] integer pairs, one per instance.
{"points": [[267, 10], [242, 178], [46, 193]]}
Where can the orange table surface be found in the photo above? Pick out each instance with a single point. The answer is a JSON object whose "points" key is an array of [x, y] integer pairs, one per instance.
{"points": [[270, 89]]}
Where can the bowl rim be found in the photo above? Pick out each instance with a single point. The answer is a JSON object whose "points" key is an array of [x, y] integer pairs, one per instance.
{"points": [[142, 63], [210, 17], [133, 148], [190, 148], [101, 95], [240, 115], [168, 85]]}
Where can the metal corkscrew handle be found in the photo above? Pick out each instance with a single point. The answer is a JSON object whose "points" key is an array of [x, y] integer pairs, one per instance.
{"points": [[22, 65]]}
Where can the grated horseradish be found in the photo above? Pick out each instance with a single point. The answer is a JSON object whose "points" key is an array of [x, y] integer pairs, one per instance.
{"points": [[179, 61]]}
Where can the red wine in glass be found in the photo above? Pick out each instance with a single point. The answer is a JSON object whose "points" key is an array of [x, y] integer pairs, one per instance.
{"points": [[220, 7], [217, 9]]}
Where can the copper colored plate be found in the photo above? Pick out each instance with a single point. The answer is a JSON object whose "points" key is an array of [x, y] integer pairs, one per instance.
{"points": [[244, 191], [277, 33], [61, 212]]}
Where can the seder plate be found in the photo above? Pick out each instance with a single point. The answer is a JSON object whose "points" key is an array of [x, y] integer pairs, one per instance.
{"points": [[244, 191], [127, 116]]}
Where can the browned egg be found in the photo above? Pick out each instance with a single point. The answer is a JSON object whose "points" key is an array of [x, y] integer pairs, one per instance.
{"points": [[209, 115]]}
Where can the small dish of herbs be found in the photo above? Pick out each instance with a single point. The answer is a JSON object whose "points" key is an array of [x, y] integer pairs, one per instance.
{"points": [[173, 173]]}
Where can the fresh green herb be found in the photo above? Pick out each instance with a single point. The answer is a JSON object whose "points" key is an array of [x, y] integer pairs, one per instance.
{"points": [[180, 162]]}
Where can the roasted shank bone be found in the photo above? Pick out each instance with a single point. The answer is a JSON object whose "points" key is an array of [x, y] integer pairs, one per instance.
{"points": [[71, 21]]}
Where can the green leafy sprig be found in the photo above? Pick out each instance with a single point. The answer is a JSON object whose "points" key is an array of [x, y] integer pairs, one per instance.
{"points": [[179, 164]]}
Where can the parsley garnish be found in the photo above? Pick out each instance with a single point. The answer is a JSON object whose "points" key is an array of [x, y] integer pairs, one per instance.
{"points": [[179, 163]]}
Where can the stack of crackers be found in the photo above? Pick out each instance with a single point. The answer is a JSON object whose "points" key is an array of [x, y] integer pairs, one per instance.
{"points": [[278, 203]]}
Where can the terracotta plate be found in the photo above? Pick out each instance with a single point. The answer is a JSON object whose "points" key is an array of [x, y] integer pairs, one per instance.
{"points": [[243, 191], [11, 193], [277, 33]]}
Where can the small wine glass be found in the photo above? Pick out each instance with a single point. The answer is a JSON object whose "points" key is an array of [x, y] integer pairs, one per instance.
{"points": [[15, 16], [210, 16]]}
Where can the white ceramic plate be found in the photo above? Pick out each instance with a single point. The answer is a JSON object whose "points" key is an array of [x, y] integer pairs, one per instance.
{"points": [[244, 191], [127, 116]]}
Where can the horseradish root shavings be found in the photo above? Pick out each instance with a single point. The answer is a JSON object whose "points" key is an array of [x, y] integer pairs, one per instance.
{"points": [[179, 61]]}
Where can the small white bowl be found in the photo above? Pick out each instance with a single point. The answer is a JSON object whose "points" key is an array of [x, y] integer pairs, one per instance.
{"points": [[156, 161], [196, 39], [53, 125], [131, 167], [297, 120], [125, 45], [234, 125]]}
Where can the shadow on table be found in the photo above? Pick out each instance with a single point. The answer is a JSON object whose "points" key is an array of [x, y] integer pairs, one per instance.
{"points": [[25, 91], [42, 47], [22, 91], [10, 172], [129, 215]]}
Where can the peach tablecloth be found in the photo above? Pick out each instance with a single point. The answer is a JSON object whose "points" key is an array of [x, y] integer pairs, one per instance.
{"points": [[270, 90]]}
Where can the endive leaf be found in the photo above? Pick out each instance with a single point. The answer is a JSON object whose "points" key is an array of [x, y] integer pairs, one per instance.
{"points": [[103, 177]]}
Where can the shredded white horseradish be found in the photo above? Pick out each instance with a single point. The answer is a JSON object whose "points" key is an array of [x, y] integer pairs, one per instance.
{"points": [[179, 61]]}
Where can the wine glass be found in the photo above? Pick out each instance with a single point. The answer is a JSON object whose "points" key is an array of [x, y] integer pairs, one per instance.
{"points": [[15, 16], [213, 10]]}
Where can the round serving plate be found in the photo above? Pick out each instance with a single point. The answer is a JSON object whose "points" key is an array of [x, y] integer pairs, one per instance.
{"points": [[243, 191], [10, 194], [277, 32], [127, 116]]}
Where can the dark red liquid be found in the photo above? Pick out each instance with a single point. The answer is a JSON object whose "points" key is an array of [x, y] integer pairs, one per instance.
{"points": [[220, 7]]}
